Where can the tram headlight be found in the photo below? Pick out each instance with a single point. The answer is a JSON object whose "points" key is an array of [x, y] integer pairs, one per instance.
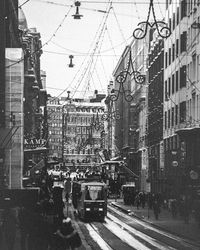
{"points": [[100, 209], [87, 209]]}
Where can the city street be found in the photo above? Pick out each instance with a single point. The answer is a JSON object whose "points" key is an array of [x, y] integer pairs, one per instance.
{"points": [[99, 125], [121, 231]]}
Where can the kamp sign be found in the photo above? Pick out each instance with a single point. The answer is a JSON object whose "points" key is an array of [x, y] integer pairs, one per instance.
{"points": [[34, 143]]}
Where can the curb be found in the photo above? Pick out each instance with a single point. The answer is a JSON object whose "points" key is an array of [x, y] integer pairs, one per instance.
{"points": [[130, 213]]}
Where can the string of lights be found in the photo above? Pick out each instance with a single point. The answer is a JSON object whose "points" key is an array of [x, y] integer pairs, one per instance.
{"points": [[46, 43]]}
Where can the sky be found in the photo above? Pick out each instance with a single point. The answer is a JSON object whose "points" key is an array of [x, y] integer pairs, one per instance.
{"points": [[96, 41]]}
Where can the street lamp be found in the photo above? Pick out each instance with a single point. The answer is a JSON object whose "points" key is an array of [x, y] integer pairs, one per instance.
{"points": [[162, 29], [77, 15], [121, 79], [71, 65]]}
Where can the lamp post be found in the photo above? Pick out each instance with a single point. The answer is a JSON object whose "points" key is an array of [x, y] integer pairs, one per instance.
{"points": [[64, 124]]}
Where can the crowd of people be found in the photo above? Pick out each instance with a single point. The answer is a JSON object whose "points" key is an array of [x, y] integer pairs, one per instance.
{"points": [[183, 206], [42, 226]]}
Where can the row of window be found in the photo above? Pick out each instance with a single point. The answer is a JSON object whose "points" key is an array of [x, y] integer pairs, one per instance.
{"points": [[175, 115], [176, 81], [176, 49], [71, 119], [72, 109], [177, 15]]}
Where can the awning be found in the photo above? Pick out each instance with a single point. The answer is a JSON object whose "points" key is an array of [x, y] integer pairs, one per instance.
{"points": [[5, 137], [130, 171], [36, 150], [188, 131]]}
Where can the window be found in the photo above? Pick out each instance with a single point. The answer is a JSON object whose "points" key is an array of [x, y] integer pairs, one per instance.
{"points": [[182, 112], [183, 41], [165, 119], [173, 21], [169, 113], [177, 79], [176, 115], [183, 76], [166, 59], [183, 8], [166, 95], [172, 117], [173, 83], [169, 86], [177, 16], [170, 23], [169, 56], [177, 47], [173, 52]]}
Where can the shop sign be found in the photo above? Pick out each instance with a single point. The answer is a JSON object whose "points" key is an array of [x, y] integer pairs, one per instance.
{"points": [[34, 143]]}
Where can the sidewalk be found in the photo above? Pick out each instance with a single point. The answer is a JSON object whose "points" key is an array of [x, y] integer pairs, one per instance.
{"points": [[165, 221]]}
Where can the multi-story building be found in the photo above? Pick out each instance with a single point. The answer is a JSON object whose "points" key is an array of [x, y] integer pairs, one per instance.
{"points": [[155, 114], [130, 130], [75, 127], [11, 82], [24, 101], [181, 93]]}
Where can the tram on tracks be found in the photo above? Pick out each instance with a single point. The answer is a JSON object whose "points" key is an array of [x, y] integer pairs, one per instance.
{"points": [[89, 198]]}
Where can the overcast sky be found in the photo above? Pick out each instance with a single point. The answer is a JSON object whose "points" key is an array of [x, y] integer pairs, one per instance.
{"points": [[96, 40]]}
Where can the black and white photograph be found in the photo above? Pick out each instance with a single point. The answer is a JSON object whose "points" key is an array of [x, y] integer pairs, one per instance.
{"points": [[100, 125]]}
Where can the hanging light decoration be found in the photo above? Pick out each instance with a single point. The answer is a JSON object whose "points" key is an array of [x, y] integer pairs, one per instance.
{"points": [[77, 15], [163, 30], [111, 114], [121, 79], [71, 65]]}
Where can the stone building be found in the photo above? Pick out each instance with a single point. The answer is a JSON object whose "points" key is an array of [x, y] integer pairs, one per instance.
{"points": [[181, 98], [75, 128], [155, 114]]}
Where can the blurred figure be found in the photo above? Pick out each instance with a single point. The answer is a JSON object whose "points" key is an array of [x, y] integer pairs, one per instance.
{"points": [[9, 224], [156, 208]]}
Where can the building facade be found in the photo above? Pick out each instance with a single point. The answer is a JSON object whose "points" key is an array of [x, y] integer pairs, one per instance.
{"points": [[156, 174], [75, 129]]}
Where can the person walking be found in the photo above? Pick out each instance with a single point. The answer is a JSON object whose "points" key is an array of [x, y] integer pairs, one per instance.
{"points": [[156, 208], [9, 224], [137, 201], [65, 237]]}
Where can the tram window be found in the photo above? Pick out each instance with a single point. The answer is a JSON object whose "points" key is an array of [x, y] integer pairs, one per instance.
{"points": [[94, 193]]}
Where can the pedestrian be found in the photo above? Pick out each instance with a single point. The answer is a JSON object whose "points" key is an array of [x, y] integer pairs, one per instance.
{"points": [[23, 217], [137, 201], [156, 208], [143, 199], [65, 237], [174, 208], [186, 209], [9, 224], [39, 230]]}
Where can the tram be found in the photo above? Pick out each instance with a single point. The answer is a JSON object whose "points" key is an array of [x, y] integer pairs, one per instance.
{"points": [[89, 197]]}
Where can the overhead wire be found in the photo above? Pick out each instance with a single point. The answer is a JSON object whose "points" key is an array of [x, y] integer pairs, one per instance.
{"points": [[46, 43]]}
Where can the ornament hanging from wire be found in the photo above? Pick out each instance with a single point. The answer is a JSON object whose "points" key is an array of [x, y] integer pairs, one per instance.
{"points": [[77, 15], [161, 26], [111, 114], [71, 65], [121, 79]]}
